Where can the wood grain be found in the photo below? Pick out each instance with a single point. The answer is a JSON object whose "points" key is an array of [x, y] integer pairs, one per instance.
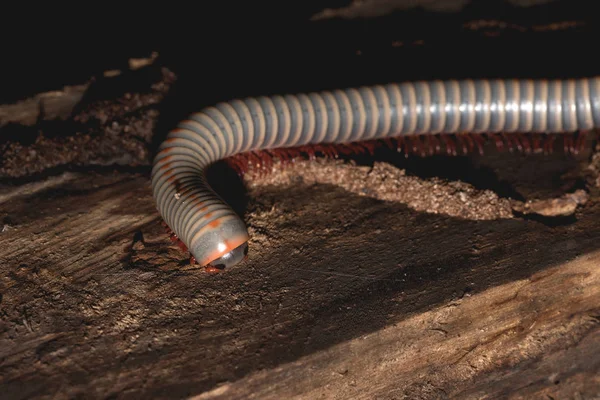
{"points": [[368, 299]]}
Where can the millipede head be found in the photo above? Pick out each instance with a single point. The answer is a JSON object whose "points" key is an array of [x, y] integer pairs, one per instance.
{"points": [[229, 259], [221, 244]]}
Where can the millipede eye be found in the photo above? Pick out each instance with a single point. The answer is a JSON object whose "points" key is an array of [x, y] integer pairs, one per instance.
{"points": [[230, 259]]}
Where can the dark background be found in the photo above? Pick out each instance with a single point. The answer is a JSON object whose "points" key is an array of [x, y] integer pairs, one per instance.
{"points": [[228, 48]]}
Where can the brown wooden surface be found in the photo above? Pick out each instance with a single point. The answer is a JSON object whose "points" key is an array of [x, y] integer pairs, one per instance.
{"points": [[343, 295], [381, 278]]}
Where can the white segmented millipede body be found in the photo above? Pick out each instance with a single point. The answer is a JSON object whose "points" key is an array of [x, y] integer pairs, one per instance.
{"points": [[216, 236]]}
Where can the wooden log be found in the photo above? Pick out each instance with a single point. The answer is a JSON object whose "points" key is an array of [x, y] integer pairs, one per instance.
{"points": [[343, 295]]}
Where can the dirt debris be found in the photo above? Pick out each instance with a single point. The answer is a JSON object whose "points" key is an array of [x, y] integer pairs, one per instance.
{"points": [[102, 132], [386, 182]]}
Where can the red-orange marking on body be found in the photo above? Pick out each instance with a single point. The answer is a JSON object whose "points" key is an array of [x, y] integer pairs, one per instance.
{"points": [[172, 179], [208, 215], [229, 245], [166, 165], [187, 190], [214, 224]]}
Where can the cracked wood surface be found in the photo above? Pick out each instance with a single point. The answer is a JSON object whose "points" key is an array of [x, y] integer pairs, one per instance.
{"points": [[343, 296]]}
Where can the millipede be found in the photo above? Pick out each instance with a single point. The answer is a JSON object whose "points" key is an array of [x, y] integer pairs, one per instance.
{"points": [[422, 117]]}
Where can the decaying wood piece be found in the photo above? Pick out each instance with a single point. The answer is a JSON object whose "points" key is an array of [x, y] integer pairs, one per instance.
{"points": [[59, 104], [53, 105], [563, 206]]}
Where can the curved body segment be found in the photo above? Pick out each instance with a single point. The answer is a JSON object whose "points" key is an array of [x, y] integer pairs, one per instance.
{"points": [[216, 236]]}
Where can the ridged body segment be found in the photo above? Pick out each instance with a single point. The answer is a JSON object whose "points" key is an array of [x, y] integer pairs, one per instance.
{"points": [[210, 228]]}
